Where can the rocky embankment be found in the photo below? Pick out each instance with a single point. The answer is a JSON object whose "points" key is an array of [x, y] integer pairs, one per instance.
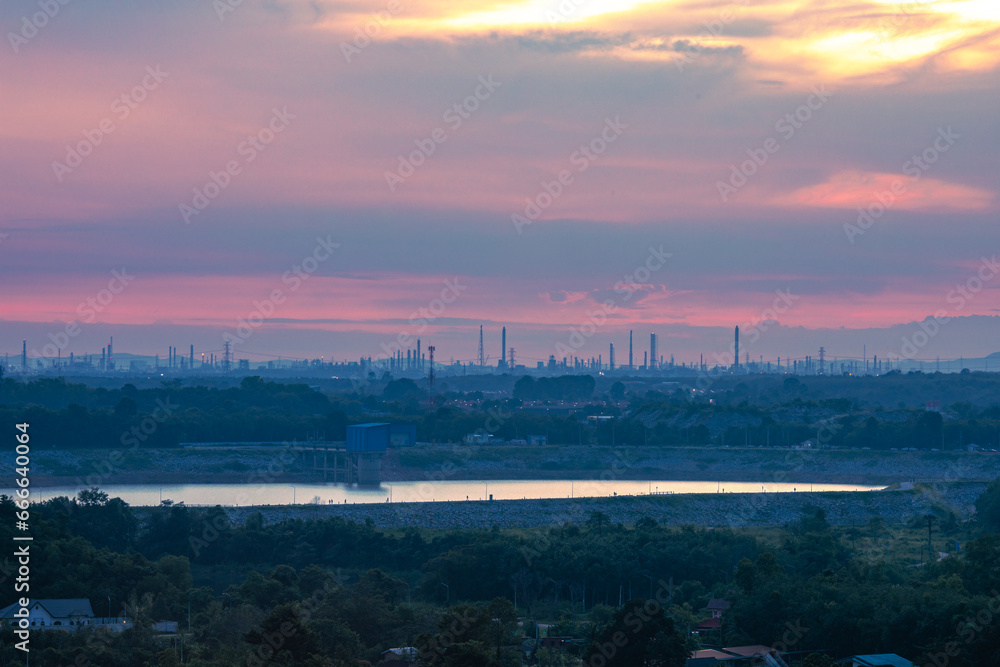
{"points": [[440, 462], [689, 463], [725, 509]]}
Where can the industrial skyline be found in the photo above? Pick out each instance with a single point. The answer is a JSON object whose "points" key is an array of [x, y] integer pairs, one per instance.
{"points": [[461, 170], [410, 360]]}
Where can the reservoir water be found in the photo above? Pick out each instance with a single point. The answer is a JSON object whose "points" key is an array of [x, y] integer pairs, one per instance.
{"points": [[428, 491]]}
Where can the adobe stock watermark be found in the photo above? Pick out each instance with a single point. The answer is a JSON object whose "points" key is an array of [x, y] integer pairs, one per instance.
{"points": [[915, 167], [581, 158], [714, 28], [968, 629], [223, 7], [121, 108], [564, 11], [294, 278], [30, 25], [273, 643], [635, 621], [363, 35], [213, 529], [887, 27], [454, 116], [139, 433], [578, 336], [786, 126], [249, 149], [421, 318], [88, 310], [783, 301], [957, 298]]}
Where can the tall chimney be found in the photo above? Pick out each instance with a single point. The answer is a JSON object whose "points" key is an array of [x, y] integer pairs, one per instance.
{"points": [[737, 364], [630, 349], [503, 347]]}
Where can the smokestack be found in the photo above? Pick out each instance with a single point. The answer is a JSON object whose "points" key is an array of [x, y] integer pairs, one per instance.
{"points": [[737, 363], [191, 362], [611, 357], [652, 350], [111, 354], [482, 349], [630, 349], [503, 347], [24, 354], [420, 360]]}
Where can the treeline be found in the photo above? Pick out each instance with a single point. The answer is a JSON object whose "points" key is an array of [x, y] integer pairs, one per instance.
{"points": [[72, 415], [890, 390], [559, 388]]}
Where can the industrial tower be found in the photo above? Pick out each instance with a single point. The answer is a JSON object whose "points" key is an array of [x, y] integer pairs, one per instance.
{"points": [[430, 374], [736, 363], [482, 357], [503, 348]]}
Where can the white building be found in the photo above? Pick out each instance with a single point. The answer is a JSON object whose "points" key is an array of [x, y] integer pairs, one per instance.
{"points": [[61, 615]]}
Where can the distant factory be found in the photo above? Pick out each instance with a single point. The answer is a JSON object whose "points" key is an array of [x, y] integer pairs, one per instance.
{"points": [[415, 361]]}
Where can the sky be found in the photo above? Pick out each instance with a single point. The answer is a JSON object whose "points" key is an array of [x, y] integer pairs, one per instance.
{"points": [[337, 179]]}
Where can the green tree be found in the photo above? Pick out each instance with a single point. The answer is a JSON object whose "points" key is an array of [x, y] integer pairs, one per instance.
{"points": [[639, 635], [988, 506], [818, 660]]}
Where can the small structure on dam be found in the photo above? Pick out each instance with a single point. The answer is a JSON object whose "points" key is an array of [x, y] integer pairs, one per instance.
{"points": [[359, 460]]}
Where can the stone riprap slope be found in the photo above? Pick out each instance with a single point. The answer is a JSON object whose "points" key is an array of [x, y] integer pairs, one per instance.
{"points": [[765, 465], [99, 467], [725, 509]]}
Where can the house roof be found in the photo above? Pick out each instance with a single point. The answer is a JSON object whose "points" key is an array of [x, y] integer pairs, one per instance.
{"points": [[718, 603], [733, 652], [710, 624], [56, 608], [749, 651], [711, 653], [881, 660]]}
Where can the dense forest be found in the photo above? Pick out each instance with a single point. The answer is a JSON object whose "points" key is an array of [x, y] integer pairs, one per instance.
{"points": [[74, 415], [333, 592]]}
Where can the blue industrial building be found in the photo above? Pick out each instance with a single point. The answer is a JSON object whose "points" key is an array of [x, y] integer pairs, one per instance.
{"points": [[373, 437]]}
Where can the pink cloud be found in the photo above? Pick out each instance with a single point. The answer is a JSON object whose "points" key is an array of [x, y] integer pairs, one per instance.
{"points": [[910, 192]]}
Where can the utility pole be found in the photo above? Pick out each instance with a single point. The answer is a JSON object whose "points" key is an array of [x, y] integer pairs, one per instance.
{"points": [[930, 547]]}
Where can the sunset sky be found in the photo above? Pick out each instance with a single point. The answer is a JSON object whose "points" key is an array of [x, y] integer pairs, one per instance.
{"points": [[742, 139]]}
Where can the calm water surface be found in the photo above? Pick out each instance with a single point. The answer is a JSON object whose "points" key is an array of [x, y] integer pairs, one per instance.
{"points": [[301, 494]]}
